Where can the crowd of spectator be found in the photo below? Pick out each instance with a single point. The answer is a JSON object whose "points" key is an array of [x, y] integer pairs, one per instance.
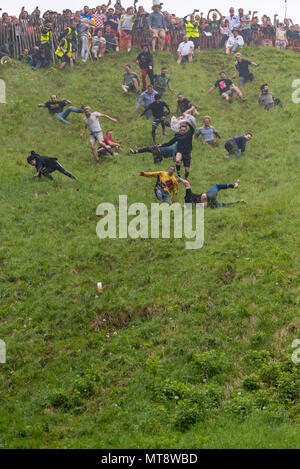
{"points": [[94, 31]]}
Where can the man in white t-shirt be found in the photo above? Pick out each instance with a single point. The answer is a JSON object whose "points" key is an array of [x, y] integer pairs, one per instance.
{"points": [[185, 50], [234, 42], [91, 122]]}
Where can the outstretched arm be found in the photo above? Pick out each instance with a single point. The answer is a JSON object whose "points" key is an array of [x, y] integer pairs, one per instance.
{"points": [[109, 118], [150, 174], [42, 105], [211, 89]]}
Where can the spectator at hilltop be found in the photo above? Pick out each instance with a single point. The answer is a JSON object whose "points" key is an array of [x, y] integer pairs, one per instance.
{"points": [[233, 20], [234, 42], [215, 23], [157, 27], [245, 22]]}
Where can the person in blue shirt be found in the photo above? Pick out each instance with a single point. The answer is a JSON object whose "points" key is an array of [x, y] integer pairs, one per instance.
{"points": [[237, 145], [147, 97]]}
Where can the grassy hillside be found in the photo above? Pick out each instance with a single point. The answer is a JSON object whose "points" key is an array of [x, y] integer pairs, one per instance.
{"points": [[184, 349]]}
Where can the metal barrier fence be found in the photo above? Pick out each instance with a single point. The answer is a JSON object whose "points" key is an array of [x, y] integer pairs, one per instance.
{"points": [[20, 37]]}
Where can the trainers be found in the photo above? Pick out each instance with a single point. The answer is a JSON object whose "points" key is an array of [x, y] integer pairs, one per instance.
{"points": [[236, 184], [133, 152]]}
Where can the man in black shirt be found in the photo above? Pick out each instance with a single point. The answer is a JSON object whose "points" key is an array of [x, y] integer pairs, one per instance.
{"points": [[184, 140], [185, 106], [226, 88], [145, 61], [159, 115], [46, 165], [242, 66], [57, 107], [209, 198]]}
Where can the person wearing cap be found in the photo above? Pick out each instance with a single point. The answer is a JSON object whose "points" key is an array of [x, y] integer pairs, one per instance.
{"points": [[242, 66], [45, 165], [145, 61], [157, 26], [266, 98], [209, 198], [280, 35], [234, 41]]}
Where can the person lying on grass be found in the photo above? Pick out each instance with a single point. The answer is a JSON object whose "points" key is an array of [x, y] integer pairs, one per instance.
{"points": [[237, 145], [46, 165], [208, 198]]}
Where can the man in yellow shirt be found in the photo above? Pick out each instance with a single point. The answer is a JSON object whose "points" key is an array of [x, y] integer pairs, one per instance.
{"points": [[166, 187]]}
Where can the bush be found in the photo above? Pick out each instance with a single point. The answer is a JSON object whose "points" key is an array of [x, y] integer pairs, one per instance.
{"points": [[239, 404], [269, 373], [251, 382], [188, 414], [256, 358], [287, 388], [209, 363]]}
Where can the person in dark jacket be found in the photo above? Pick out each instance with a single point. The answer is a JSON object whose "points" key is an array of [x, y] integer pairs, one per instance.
{"points": [[184, 140], [237, 145], [209, 198], [145, 61], [46, 165], [159, 115]]}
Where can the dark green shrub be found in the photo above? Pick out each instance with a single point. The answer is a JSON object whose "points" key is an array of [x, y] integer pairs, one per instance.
{"points": [[269, 373], [209, 363], [251, 382]]}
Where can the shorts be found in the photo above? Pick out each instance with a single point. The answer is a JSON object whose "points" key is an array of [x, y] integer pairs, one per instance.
{"points": [[226, 93], [96, 136], [159, 33], [191, 198], [186, 159]]}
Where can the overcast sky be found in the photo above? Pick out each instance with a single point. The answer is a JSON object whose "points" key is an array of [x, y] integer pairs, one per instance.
{"points": [[270, 7]]}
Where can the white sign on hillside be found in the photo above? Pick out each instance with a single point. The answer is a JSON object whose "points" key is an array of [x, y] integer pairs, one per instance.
{"points": [[2, 351], [2, 92]]}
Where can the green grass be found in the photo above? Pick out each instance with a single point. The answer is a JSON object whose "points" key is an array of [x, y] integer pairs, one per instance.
{"points": [[184, 331]]}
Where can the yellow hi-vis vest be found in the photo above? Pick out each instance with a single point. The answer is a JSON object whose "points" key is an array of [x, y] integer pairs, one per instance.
{"points": [[66, 48], [69, 31], [45, 38], [132, 21], [191, 30]]}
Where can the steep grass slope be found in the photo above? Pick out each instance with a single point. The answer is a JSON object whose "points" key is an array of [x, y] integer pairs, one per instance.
{"points": [[184, 349]]}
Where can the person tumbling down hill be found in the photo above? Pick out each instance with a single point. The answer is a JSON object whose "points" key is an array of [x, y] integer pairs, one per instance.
{"points": [[159, 114], [111, 145], [208, 132], [158, 152], [226, 88], [209, 198], [45, 165], [166, 187], [56, 107], [184, 140], [242, 66], [91, 122], [266, 98], [237, 145]]}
